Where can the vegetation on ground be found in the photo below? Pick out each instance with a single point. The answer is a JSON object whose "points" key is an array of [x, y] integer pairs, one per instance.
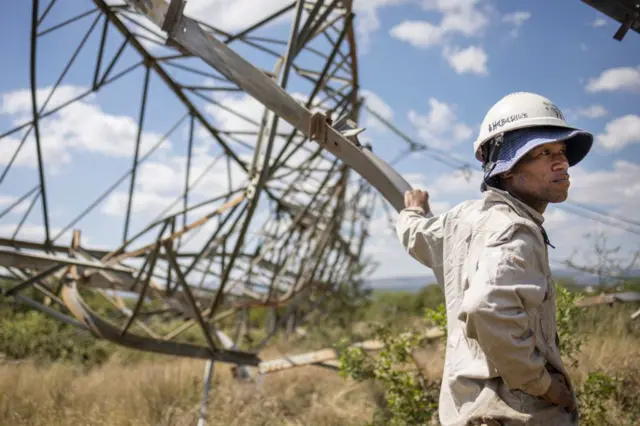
{"points": [[599, 345], [55, 374]]}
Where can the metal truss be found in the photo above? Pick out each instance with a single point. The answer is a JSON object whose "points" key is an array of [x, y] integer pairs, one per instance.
{"points": [[626, 12], [281, 224]]}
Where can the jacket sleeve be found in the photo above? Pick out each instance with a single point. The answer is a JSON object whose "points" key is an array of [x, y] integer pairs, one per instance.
{"points": [[508, 282], [421, 235]]}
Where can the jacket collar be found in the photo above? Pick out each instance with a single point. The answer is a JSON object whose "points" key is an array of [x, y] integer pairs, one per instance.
{"points": [[498, 195]]}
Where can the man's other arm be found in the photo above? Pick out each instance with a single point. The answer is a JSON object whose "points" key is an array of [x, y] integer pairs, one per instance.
{"points": [[508, 282]]}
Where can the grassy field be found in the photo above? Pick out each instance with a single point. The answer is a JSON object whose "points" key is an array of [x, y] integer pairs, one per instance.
{"points": [[157, 390], [168, 392]]}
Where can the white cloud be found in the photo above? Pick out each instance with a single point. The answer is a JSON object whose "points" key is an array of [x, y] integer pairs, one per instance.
{"points": [[418, 33], [367, 21], [380, 107], [591, 112], [237, 15], [615, 191], [440, 127], [459, 18], [251, 110], [32, 232], [81, 126], [472, 60], [150, 36], [8, 200], [240, 112], [466, 20], [594, 111], [447, 5], [516, 19], [618, 187], [598, 22], [233, 15], [159, 183], [143, 202], [620, 132], [622, 78], [18, 102]]}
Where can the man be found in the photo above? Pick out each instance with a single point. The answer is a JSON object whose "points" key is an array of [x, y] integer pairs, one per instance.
{"points": [[502, 363]]}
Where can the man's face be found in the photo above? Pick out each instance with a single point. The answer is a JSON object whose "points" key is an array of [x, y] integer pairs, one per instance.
{"points": [[541, 176]]}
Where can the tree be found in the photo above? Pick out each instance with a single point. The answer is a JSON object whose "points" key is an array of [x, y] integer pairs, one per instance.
{"points": [[610, 266]]}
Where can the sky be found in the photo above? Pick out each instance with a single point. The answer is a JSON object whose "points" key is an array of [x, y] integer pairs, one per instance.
{"points": [[432, 67]]}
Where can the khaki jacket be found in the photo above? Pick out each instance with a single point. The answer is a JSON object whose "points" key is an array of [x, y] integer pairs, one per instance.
{"points": [[490, 258]]}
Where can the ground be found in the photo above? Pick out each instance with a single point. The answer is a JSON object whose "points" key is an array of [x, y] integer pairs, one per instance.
{"points": [[159, 390]]}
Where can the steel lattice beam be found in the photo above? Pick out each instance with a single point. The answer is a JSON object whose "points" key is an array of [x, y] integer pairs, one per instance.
{"points": [[286, 232]]}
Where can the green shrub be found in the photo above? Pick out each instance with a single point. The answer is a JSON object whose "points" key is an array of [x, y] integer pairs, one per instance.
{"points": [[409, 398], [34, 335], [411, 401]]}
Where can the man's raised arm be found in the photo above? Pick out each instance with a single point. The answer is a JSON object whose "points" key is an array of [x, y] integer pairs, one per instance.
{"points": [[419, 231]]}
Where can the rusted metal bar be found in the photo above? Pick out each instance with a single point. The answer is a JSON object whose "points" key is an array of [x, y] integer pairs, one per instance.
{"points": [[196, 313], [328, 355], [117, 255], [50, 311], [46, 11], [67, 22], [208, 376], [266, 271], [34, 279], [38, 261], [34, 110], [103, 39], [262, 22], [263, 173], [18, 201], [299, 41], [107, 331], [143, 290], [109, 190], [307, 36], [168, 80], [188, 171], [134, 167], [115, 58]]}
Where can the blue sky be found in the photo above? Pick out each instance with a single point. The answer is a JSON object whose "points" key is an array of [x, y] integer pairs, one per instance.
{"points": [[432, 67]]}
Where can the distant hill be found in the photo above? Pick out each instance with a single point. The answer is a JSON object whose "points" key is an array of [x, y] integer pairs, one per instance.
{"points": [[411, 283], [415, 283]]}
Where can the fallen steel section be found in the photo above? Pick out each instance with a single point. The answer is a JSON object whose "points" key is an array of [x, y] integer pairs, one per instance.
{"points": [[625, 12], [281, 236], [328, 357], [186, 34], [611, 299]]}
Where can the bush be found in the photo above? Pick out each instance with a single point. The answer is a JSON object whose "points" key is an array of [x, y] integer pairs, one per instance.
{"points": [[409, 398], [411, 401], [35, 335]]}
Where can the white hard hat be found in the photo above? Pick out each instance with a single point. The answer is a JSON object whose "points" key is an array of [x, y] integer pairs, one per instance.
{"points": [[519, 110]]}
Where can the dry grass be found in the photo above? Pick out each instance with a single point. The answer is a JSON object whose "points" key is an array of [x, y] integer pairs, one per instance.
{"points": [[167, 391], [613, 347]]}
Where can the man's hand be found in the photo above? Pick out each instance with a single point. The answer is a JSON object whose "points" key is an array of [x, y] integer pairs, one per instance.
{"points": [[559, 393], [417, 198]]}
